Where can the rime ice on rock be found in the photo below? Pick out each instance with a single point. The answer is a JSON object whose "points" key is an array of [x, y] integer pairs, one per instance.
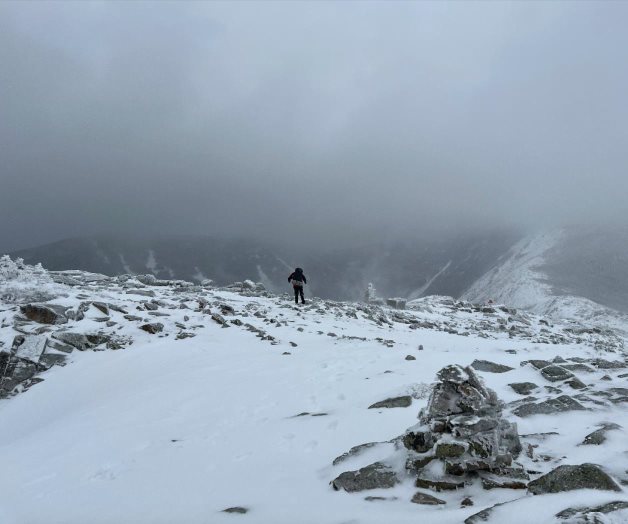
{"points": [[461, 427]]}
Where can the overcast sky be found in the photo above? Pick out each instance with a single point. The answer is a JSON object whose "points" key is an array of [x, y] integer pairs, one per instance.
{"points": [[321, 121]]}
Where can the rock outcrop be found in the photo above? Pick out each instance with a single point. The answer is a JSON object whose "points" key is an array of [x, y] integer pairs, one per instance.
{"points": [[568, 478], [462, 427], [374, 476]]}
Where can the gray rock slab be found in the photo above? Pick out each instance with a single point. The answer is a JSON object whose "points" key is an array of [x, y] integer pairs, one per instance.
{"points": [[141, 292], [490, 367], [153, 328], [48, 360], [428, 500], [102, 307], [523, 388], [81, 341], [442, 484], [374, 476], [555, 373], [589, 514], [538, 364], [30, 347], [354, 451], [45, 313], [568, 478], [560, 404], [394, 402]]}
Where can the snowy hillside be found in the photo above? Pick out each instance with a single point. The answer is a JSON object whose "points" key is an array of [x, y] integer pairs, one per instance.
{"points": [[130, 399], [521, 280]]}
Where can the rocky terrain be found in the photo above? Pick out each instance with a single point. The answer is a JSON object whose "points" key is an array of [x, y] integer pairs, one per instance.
{"points": [[233, 403]]}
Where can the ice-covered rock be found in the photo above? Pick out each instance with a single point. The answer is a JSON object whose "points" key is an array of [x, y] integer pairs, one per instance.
{"points": [[568, 478], [462, 427]]}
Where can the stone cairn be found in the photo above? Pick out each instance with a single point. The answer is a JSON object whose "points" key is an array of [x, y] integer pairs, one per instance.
{"points": [[462, 435]]}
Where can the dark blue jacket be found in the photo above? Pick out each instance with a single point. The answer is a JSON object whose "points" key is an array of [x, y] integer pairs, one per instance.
{"points": [[297, 276]]}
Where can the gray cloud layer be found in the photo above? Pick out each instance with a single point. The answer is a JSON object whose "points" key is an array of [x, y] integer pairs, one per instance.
{"points": [[331, 121]]}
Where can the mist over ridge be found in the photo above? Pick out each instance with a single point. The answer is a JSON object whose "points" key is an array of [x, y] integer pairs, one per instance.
{"points": [[326, 124]]}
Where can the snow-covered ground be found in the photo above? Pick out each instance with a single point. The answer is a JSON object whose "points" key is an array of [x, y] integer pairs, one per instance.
{"points": [[172, 429]]}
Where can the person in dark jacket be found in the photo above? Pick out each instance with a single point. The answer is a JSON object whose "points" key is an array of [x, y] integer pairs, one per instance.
{"points": [[297, 279]]}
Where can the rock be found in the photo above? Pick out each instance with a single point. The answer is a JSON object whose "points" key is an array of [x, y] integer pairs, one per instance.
{"points": [[449, 450], [236, 509], [580, 368], [601, 363], [438, 485], [396, 303], [599, 436], [375, 499], [14, 371], [419, 441], [226, 309], [29, 347], [395, 402], [132, 318], [425, 499], [59, 346], [104, 308], [482, 516], [505, 483], [374, 476], [462, 423], [354, 451], [596, 438], [538, 364], [141, 292], [590, 514], [556, 373], [45, 313], [417, 464], [219, 319], [459, 392], [248, 284], [81, 341], [410, 357], [48, 360], [523, 388], [490, 367], [466, 502], [568, 478], [576, 383], [554, 405], [153, 328], [119, 309]]}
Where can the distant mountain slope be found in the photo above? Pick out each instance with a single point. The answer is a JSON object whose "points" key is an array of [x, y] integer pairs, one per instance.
{"points": [[412, 268], [192, 258], [563, 273]]}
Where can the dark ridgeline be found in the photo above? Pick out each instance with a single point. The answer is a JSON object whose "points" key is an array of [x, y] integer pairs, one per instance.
{"points": [[588, 262], [396, 268]]}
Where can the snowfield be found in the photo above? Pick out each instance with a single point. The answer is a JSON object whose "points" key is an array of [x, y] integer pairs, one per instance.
{"points": [[244, 400]]}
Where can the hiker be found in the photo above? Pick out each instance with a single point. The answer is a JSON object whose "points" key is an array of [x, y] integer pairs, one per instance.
{"points": [[297, 279]]}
